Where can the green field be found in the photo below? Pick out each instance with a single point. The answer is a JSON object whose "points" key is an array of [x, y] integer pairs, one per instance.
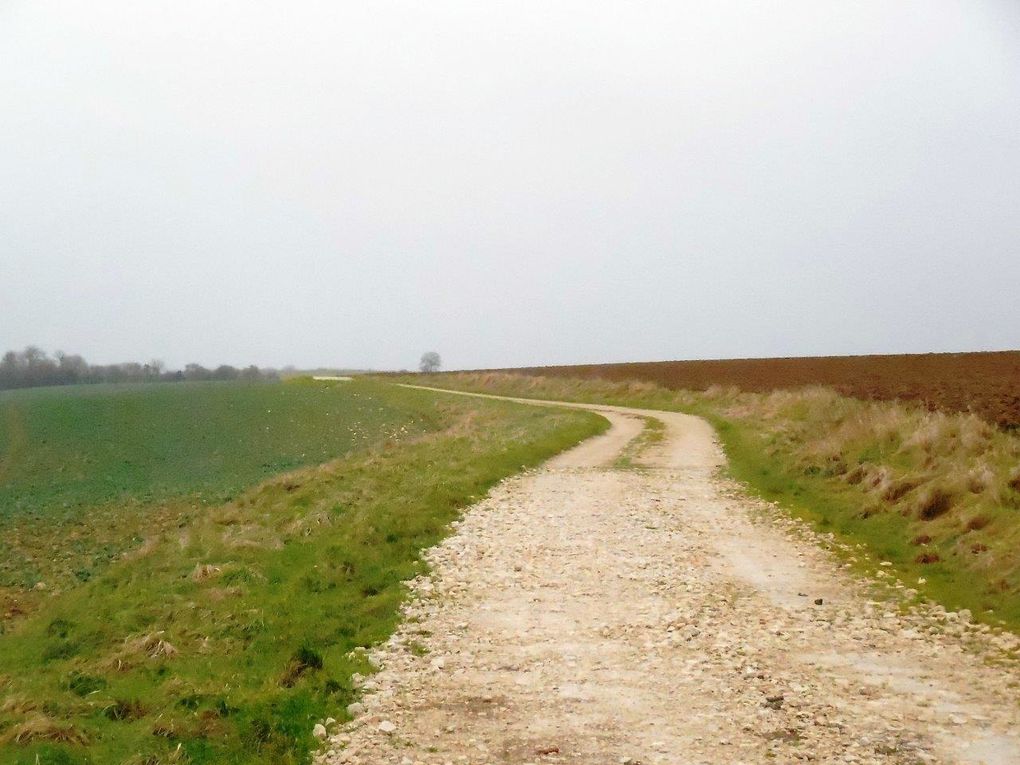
{"points": [[84, 456], [68, 448], [188, 569]]}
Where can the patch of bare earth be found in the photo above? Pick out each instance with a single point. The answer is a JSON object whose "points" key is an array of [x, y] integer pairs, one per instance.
{"points": [[582, 614]]}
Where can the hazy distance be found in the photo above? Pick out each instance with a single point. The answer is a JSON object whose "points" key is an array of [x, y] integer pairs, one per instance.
{"points": [[508, 183]]}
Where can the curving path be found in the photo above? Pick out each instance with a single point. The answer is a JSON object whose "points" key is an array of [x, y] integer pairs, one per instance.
{"points": [[583, 614]]}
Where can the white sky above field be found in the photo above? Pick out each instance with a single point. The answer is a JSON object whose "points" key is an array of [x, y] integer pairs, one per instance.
{"points": [[508, 183]]}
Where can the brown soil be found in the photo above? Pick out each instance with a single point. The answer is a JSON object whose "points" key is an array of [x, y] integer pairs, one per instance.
{"points": [[987, 384]]}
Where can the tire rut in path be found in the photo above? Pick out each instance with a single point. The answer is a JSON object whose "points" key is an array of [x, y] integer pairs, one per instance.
{"points": [[587, 615]]}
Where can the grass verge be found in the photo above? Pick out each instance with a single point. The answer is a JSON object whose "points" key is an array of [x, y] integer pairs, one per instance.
{"points": [[223, 636]]}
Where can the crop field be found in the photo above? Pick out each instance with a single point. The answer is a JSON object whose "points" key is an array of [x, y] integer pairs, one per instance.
{"points": [[76, 457], [987, 384], [190, 571]]}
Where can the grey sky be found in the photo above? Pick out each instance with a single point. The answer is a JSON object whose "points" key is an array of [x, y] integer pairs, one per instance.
{"points": [[508, 182]]}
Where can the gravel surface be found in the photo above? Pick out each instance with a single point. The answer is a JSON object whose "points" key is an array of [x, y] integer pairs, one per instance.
{"points": [[583, 614]]}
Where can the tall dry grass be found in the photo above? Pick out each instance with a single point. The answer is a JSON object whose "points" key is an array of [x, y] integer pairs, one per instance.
{"points": [[950, 473]]}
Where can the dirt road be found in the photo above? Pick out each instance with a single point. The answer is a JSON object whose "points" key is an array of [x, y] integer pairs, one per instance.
{"points": [[586, 614]]}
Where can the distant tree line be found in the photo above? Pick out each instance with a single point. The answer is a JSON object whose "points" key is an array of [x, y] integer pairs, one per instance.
{"points": [[33, 367]]}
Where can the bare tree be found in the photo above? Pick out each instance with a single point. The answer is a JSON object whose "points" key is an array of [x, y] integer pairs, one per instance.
{"points": [[430, 362]]}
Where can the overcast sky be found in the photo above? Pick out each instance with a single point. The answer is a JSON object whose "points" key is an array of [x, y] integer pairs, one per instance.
{"points": [[508, 183]]}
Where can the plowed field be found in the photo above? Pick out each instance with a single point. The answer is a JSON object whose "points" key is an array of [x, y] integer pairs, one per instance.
{"points": [[987, 384]]}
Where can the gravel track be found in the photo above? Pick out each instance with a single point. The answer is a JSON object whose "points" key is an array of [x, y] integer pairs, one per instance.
{"points": [[584, 614]]}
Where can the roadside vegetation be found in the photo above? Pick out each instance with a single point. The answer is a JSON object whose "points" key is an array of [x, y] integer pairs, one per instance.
{"points": [[937, 494], [251, 565]]}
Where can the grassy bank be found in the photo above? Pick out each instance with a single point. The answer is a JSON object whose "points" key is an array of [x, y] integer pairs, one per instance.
{"points": [[222, 636], [935, 494]]}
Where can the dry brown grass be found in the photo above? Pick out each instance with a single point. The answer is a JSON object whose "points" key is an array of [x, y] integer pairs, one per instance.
{"points": [[205, 571], [933, 503], [150, 646], [19, 705], [949, 473], [39, 727], [978, 522]]}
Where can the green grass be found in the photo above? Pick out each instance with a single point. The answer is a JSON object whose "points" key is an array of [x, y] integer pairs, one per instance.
{"points": [[777, 446], [64, 449], [224, 636], [653, 432], [104, 463]]}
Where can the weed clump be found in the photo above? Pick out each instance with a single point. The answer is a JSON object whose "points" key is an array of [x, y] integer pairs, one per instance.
{"points": [[978, 522], [302, 661], [896, 490], [204, 571], [59, 628], [42, 728], [855, 475], [59, 650], [82, 685], [122, 710], [151, 646], [934, 503]]}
